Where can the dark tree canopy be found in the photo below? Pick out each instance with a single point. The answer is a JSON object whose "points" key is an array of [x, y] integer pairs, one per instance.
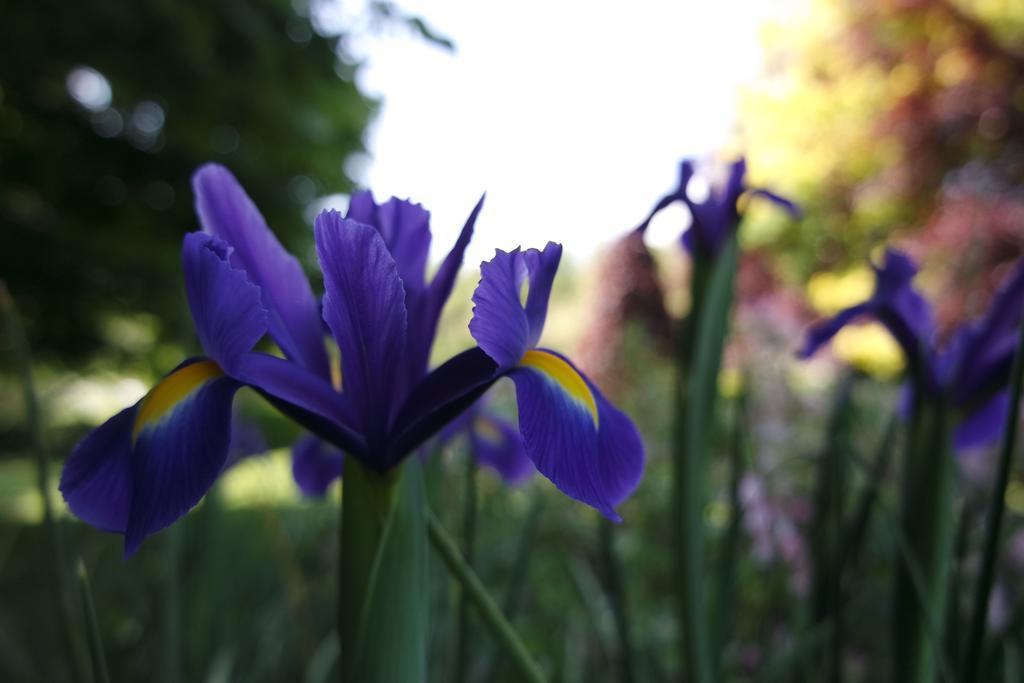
{"points": [[94, 189]]}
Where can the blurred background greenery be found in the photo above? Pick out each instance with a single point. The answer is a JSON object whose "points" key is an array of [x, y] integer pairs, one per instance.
{"points": [[887, 121]]}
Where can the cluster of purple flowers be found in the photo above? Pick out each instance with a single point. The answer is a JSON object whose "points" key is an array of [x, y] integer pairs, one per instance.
{"points": [[148, 465]]}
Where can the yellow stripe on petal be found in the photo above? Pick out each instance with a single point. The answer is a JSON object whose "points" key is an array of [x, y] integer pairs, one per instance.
{"points": [[564, 375], [172, 390]]}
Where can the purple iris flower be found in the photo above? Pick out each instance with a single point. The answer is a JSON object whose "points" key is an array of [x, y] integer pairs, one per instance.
{"points": [[717, 217], [971, 371], [152, 462], [492, 440]]}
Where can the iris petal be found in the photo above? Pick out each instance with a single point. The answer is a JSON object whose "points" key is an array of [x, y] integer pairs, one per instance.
{"points": [[97, 480], [502, 325], [150, 464], [439, 398], [425, 309], [598, 462], [822, 332], [364, 305], [315, 465], [499, 325], [497, 444], [985, 425], [226, 211], [225, 306], [405, 228], [177, 456]]}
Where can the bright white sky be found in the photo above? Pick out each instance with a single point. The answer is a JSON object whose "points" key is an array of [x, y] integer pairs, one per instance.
{"points": [[572, 116]]}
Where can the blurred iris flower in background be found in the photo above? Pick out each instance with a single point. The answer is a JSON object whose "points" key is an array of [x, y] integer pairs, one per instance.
{"points": [[717, 216], [492, 440], [971, 370], [152, 462]]}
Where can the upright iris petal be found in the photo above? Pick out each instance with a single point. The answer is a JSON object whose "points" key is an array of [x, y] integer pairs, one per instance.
{"points": [[573, 435], [405, 229], [226, 211], [364, 305], [971, 372]]}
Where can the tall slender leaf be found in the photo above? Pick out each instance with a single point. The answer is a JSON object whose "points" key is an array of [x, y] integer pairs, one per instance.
{"points": [[488, 610], [100, 673], [698, 362], [827, 539]]}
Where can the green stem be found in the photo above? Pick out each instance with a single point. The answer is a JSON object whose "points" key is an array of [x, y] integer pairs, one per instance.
{"points": [[99, 660], [926, 524], [486, 607], [383, 606], [698, 362], [993, 531]]}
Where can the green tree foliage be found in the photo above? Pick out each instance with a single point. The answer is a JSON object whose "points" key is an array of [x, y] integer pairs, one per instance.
{"points": [[896, 119], [94, 190]]}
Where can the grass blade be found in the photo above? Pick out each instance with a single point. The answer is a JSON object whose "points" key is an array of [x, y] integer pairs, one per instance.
{"points": [[100, 674], [487, 609], [22, 357]]}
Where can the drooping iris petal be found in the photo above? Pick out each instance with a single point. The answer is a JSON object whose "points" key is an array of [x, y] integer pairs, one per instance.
{"points": [[439, 398], [225, 306], [246, 440], [180, 436], [786, 205], [981, 354], [901, 309], [985, 425], [586, 447], [497, 444], [225, 210], [1007, 308], [315, 465], [364, 305], [822, 332], [620, 449], [149, 464], [97, 478], [405, 228]]}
